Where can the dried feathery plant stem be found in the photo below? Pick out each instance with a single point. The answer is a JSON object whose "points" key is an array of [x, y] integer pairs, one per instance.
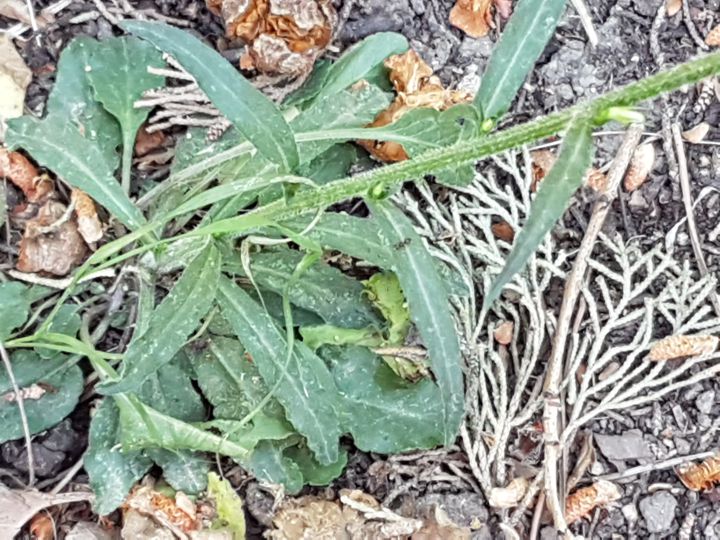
{"points": [[554, 374], [687, 201]]}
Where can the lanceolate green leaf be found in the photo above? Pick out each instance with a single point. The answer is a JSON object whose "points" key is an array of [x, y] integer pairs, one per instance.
{"points": [[522, 41], [245, 106], [118, 73], [171, 323], [112, 471], [306, 391], [323, 289], [552, 198], [383, 412], [360, 60], [429, 309], [72, 98], [56, 143], [63, 385]]}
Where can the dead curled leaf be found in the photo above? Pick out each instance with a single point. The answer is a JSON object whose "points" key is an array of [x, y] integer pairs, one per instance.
{"points": [[510, 495], [672, 7], [475, 18], [147, 142], [641, 165], [162, 509], [502, 230], [580, 503], [696, 134], [88, 222], [674, 347], [51, 243], [284, 37], [417, 88], [700, 476], [18, 169]]}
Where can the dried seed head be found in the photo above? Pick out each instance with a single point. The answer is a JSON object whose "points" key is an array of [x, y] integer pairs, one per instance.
{"points": [[700, 476], [674, 347], [503, 334], [696, 134], [640, 166], [713, 37], [672, 7], [510, 495], [503, 231], [583, 501], [596, 180]]}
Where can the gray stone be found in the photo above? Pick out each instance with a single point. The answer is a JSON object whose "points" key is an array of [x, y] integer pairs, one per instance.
{"points": [[88, 531], [705, 401], [629, 445], [658, 511], [461, 508], [630, 512]]}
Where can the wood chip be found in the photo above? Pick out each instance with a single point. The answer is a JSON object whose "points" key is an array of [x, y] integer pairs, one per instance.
{"points": [[503, 334], [596, 180], [582, 502], [510, 495], [674, 347], [641, 165], [88, 222], [713, 37], [696, 134], [673, 7], [700, 476]]}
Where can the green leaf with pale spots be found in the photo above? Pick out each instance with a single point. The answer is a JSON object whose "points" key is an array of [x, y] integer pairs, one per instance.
{"points": [[429, 306], [171, 323], [15, 307]]}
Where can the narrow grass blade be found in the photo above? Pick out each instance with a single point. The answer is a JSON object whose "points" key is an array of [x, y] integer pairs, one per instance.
{"points": [[245, 106], [429, 309], [551, 200], [171, 323], [531, 26], [307, 391]]}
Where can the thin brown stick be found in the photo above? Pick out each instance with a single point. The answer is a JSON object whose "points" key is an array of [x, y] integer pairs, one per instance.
{"points": [[23, 417], [573, 285], [690, 213], [659, 466]]}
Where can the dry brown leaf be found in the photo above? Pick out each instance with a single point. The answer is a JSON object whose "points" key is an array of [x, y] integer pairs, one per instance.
{"points": [[51, 243], [18, 169], [503, 231], [88, 222], [700, 476], [417, 88], [713, 37], [284, 37], [675, 347], [583, 501], [15, 77], [503, 334], [510, 495], [696, 134], [147, 142], [596, 180], [640, 167], [672, 7], [474, 17]]}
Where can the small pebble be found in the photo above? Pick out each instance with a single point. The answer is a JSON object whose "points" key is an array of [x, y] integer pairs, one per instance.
{"points": [[705, 401], [658, 511]]}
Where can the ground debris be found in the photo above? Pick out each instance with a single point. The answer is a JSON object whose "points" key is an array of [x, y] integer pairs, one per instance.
{"points": [[284, 37], [475, 17], [51, 243], [15, 77], [580, 503], [629, 445], [674, 347], [20, 171], [641, 164], [700, 476], [416, 87], [658, 510], [88, 222]]}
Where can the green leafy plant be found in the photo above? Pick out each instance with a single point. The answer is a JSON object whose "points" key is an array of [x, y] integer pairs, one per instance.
{"points": [[288, 350]]}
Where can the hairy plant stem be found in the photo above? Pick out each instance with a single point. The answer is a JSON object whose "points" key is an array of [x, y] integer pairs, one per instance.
{"points": [[600, 110]]}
